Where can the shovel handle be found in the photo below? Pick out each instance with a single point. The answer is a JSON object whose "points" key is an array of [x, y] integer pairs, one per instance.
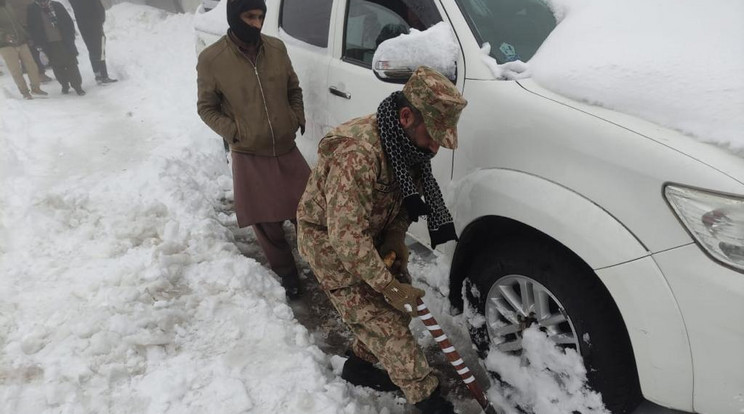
{"points": [[449, 350]]}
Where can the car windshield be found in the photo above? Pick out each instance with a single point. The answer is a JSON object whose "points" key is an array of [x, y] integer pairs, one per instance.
{"points": [[515, 29]]}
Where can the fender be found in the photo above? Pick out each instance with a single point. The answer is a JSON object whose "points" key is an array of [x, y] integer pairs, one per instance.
{"points": [[576, 222], [617, 256]]}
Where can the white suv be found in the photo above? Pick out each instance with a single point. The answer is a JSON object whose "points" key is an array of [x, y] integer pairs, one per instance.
{"points": [[618, 237]]}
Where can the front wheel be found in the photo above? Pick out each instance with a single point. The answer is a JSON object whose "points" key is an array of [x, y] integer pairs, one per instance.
{"points": [[526, 281]]}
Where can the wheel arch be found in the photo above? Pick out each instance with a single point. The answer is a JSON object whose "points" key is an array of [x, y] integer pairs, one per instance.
{"points": [[496, 203]]}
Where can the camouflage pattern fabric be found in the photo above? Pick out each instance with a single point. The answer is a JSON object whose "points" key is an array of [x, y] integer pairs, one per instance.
{"points": [[383, 335], [354, 200], [439, 102], [350, 205]]}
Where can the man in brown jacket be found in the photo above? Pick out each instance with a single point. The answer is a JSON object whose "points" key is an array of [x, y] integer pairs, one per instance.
{"points": [[359, 201], [250, 95], [20, 7], [15, 52]]}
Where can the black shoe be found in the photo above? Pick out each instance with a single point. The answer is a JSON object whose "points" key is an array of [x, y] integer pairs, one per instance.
{"points": [[66, 89], [360, 372], [108, 80], [80, 91], [435, 404], [291, 285]]}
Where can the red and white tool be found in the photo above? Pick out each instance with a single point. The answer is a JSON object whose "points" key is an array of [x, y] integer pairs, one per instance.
{"points": [[449, 350]]}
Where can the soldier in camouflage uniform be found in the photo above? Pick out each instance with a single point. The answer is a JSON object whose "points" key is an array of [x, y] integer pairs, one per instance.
{"points": [[358, 204]]}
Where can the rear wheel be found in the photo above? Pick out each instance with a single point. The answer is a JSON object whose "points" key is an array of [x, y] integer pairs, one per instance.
{"points": [[521, 282]]}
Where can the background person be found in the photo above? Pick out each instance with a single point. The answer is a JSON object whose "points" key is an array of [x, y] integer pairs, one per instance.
{"points": [[90, 16], [15, 52], [20, 7], [51, 28], [250, 95]]}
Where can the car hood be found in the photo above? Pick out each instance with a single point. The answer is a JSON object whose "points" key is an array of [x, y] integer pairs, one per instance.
{"points": [[712, 154]]}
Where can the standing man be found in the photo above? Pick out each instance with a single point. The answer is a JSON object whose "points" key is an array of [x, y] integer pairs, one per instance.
{"points": [[90, 16], [250, 95], [51, 28], [358, 204], [20, 8], [14, 50]]}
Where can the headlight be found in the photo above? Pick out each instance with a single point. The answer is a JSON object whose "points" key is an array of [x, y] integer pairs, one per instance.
{"points": [[715, 221]]}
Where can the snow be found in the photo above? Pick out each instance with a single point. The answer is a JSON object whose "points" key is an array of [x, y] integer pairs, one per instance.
{"points": [[437, 46], [123, 287], [678, 63]]}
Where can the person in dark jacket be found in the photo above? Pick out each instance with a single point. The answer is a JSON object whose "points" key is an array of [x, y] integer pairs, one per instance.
{"points": [[51, 28], [14, 50], [90, 16], [250, 95]]}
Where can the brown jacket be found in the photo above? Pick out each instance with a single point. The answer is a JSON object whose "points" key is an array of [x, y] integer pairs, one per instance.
{"points": [[257, 108], [11, 30]]}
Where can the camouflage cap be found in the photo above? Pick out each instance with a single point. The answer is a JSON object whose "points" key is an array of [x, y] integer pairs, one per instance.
{"points": [[439, 101]]}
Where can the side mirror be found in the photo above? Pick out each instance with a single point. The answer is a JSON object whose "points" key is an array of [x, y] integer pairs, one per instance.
{"points": [[393, 72], [396, 59]]}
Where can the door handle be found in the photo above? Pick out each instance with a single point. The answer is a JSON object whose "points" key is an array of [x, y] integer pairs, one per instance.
{"points": [[334, 90]]}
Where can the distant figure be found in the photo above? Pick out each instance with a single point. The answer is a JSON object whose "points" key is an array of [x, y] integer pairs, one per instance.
{"points": [[90, 16], [14, 49], [51, 28], [20, 8]]}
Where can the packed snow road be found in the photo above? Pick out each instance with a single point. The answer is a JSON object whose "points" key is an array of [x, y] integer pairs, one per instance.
{"points": [[127, 287]]}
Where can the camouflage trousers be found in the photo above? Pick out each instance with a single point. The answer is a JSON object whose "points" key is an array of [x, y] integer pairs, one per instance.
{"points": [[382, 334]]}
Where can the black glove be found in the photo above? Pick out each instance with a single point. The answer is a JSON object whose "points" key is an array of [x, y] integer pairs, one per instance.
{"points": [[415, 207], [443, 234]]}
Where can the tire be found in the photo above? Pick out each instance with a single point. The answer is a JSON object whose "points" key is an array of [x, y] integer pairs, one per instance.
{"points": [[580, 305]]}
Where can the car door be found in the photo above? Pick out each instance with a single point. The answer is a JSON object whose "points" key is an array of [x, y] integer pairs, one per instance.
{"points": [[353, 88], [305, 27]]}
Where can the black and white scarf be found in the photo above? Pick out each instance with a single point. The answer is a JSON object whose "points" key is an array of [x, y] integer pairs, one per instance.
{"points": [[403, 154]]}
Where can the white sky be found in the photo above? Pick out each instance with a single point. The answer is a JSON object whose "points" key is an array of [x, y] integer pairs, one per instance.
{"points": [[122, 288]]}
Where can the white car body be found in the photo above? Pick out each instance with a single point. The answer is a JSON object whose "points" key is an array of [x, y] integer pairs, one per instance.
{"points": [[590, 178]]}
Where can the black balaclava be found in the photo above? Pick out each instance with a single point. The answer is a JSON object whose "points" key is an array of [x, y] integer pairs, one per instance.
{"points": [[242, 30]]}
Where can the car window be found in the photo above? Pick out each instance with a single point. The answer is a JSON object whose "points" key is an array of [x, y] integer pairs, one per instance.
{"points": [[370, 22], [307, 20], [514, 28]]}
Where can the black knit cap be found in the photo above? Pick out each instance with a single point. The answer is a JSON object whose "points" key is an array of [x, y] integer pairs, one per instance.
{"points": [[236, 7]]}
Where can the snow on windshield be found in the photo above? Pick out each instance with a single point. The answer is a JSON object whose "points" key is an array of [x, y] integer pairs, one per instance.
{"points": [[678, 63]]}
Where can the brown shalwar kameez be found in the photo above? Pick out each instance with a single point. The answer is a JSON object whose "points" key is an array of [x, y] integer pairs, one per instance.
{"points": [[267, 190]]}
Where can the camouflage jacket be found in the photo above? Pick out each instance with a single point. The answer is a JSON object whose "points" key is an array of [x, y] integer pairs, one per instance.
{"points": [[352, 195]]}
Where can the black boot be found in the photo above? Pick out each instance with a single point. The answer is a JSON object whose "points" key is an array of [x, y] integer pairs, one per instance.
{"points": [[360, 372], [102, 77], [291, 284], [435, 404]]}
